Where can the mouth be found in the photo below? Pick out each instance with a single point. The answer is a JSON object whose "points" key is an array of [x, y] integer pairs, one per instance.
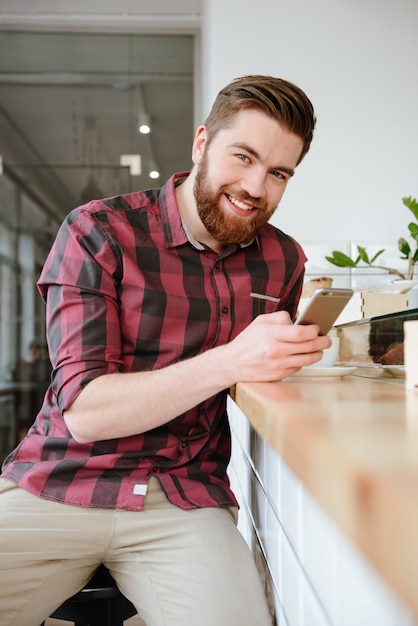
{"points": [[243, 207]]}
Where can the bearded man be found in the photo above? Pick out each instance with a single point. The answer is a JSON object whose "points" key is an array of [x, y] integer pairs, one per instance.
{"points": [[157, 303]]}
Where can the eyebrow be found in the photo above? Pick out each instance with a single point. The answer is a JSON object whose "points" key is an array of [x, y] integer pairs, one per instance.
{"points": [[244, 146]]}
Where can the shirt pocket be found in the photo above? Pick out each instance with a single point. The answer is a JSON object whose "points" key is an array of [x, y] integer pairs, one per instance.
{"points": [[264, 303]]}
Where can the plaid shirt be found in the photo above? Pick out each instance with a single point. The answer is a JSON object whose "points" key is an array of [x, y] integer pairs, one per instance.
{"points": [[128, 290]]}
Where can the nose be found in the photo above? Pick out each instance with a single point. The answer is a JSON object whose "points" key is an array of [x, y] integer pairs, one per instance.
{"points": [[254, 182]]}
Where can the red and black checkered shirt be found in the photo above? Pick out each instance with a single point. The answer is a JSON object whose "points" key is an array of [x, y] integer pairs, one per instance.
{"points": [[127, 290]]}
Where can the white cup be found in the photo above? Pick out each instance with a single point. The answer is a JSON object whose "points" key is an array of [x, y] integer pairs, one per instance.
{"points": [[330, 354]]}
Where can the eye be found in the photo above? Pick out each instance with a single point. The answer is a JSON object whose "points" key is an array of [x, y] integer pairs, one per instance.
{"points": [[243, 157], [278, 175]]}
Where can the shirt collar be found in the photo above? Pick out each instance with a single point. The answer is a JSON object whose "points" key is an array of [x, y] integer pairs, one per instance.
{"points": [[174, 232]]}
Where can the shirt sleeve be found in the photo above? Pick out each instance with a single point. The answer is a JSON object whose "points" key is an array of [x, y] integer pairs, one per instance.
{"points": [[79, 284], [295, 260], [294, 295]]}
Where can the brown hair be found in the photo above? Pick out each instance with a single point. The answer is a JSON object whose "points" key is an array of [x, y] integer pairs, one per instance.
{"points": [[278, 98]]}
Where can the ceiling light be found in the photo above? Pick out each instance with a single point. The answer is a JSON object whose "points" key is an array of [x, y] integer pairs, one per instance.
{"points": [[144, 124], [154, 172]]}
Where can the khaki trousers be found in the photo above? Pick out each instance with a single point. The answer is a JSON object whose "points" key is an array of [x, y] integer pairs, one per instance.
{"points": [[179, 568]]}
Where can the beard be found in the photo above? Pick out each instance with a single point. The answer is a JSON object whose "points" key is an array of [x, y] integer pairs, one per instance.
{"points": [[225, 228]]}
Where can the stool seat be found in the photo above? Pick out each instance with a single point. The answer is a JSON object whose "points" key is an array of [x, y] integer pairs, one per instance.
{"points": [[99, 603]]}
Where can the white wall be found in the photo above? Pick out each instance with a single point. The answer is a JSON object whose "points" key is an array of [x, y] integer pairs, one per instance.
{"points": [[357, 61]]}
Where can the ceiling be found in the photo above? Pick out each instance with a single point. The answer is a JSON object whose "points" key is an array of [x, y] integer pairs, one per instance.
{"points": [[69, 106]]}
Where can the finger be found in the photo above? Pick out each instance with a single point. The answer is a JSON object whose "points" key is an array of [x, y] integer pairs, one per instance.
{"points": [[278, 317]]}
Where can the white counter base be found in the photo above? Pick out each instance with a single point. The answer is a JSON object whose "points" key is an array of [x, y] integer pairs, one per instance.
{"points": [[315, 576]]}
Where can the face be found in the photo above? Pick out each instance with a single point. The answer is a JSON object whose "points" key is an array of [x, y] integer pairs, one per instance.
{"points": [[242, 174]]}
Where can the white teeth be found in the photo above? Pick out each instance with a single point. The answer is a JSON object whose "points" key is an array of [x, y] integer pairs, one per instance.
{"points": [[239, 204]]}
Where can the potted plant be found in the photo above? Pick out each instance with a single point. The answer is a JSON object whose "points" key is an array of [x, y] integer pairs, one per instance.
{"points": [[407, 252]]}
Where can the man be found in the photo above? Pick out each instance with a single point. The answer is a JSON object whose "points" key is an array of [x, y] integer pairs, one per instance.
{"points": [[158, 302]]}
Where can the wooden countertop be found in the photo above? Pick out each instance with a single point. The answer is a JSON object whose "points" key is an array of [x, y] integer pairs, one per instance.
{"points": [[353, 442]]}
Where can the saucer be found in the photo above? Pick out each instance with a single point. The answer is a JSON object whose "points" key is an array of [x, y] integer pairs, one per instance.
{"points": [[323, 372], [397, 371]]}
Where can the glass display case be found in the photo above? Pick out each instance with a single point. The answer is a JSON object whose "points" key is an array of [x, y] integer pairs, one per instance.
{"points": [[374, 341]]}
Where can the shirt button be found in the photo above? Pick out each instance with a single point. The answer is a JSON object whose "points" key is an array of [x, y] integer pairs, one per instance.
{"points": [[217, 266], [225, 309], [154, 469]]}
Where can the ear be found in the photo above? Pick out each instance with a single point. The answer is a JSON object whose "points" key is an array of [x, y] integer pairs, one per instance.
{"points": [[199, 144]]}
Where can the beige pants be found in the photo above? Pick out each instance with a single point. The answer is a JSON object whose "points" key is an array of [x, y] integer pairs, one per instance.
{"points": [[179, 568]]}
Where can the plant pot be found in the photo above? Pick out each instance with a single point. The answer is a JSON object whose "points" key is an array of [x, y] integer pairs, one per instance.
{"points": [[411, 288]]}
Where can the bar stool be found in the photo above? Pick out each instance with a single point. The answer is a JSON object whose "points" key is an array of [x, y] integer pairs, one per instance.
{"points": [[99, 603]]}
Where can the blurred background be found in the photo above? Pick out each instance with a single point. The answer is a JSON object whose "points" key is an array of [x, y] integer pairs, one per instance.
{"points": [[72, 104]]}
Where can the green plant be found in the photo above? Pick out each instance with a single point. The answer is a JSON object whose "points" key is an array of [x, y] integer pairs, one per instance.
{"points": [[408, 253]]}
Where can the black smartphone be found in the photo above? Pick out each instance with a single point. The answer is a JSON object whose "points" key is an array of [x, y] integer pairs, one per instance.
{"points": [[324, 307]]}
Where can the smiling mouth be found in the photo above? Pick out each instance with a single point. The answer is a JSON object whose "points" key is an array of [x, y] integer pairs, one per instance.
{"points": [[239, 204]]}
